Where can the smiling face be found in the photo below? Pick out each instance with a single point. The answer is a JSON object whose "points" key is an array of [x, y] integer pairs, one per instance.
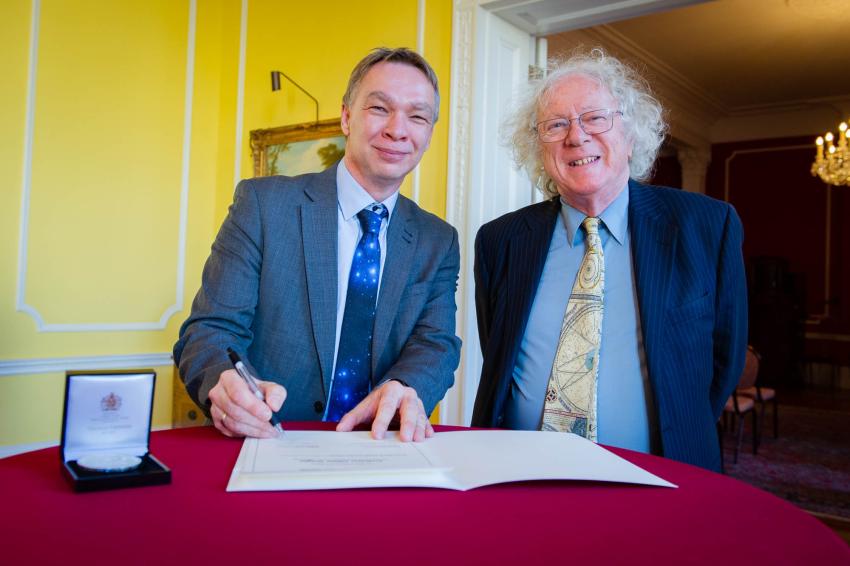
{"points": [[589, 170], [388, 125]]}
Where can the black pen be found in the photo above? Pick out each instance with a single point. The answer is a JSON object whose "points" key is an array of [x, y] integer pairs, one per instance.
{"points": [[243, 372]]}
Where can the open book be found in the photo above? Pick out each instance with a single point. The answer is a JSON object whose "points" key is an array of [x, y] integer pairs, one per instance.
{"points": [[452, 460]]}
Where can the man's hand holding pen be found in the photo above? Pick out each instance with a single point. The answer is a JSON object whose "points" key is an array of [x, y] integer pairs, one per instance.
{"points": [[243, 405], [237, 412]]}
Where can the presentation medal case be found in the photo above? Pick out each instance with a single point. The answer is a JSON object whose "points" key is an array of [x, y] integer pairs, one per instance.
{"points": [[106, 427]]}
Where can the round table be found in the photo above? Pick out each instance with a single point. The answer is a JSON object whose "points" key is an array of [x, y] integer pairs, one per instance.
{"points": [[709, 519]]}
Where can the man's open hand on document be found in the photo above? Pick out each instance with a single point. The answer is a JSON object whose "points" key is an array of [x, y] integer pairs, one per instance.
{"points": [[381, 405]]}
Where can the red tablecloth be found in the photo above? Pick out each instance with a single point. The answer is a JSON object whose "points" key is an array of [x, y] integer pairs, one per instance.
{"points": [[709, 519]]}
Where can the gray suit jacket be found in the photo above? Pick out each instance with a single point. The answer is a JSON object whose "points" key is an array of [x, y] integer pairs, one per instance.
{"points": [[269, 291]]}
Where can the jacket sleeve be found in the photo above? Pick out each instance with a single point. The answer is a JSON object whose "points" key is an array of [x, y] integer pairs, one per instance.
{"points": [[730, 324], [432, 352], [482, 292], [224, 307]]}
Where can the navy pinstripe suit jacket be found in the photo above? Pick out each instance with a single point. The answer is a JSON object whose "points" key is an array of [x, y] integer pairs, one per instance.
{"points": [[691, 288]]}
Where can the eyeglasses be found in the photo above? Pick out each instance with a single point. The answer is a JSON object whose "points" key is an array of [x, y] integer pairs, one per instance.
{"points": [[591, 123]]}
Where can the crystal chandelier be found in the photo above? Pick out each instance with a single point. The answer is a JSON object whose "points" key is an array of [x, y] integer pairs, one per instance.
{"points": [[833, 164]]}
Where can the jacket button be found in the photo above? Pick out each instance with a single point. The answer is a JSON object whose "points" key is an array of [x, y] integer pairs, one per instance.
{"points": [[318, 406]]}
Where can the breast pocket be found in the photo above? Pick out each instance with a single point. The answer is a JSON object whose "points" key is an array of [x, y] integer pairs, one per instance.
{"points": [[689, 340], [691, 310]]}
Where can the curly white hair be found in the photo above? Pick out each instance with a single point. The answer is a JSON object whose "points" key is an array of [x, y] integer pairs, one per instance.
{"points": [[642, 114]]}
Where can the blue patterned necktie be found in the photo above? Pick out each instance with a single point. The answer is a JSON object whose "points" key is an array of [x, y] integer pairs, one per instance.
{"points": [[352, 379]]}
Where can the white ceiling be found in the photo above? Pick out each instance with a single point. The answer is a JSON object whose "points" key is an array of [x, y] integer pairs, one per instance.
{"points": [[546, 17], [721, 59], [726, 70], [751, 53]]}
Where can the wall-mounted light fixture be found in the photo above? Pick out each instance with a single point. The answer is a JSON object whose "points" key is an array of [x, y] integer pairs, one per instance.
{"points": [[276, 86]]}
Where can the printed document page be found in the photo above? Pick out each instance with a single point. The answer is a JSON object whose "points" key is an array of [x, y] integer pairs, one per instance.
{"points": [[453, 460], [483, 457], [331, 460]]}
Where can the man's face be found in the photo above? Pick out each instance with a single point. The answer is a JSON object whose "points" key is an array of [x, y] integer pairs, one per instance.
{"points": [[585, 168], [388, 125]]}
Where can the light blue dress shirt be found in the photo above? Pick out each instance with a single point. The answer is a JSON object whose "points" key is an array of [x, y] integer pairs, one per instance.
{"points": [[623, 393]]}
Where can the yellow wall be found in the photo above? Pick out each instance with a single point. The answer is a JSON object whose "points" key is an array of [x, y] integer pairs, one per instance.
{"points": [[108, 166]]}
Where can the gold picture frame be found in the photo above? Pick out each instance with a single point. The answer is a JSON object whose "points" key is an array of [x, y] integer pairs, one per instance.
{"points": [[296, 149]]}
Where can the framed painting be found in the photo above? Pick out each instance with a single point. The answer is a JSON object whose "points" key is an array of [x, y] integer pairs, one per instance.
{"points": [[296, 149]]}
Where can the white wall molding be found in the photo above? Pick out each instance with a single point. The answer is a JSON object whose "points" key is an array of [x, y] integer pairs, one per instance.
{"points": [[240, 93], [49, 365], [545, 17], [840, 105], [814, 318], [665, 78], [21, 304], [416, 185], [691, 111], [728, 163], [490, 59], [802, 121], [420, 27], [460, 150], [13, 449], [828, 336]]}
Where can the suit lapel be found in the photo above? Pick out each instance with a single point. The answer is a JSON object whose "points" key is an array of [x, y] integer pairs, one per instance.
{"points": [[319, 240], [527, 253], [402, 237], [654, 234]]}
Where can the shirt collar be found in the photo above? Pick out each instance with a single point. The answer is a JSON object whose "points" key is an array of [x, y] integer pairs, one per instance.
{"points": [[353, 198], [615, 219]]}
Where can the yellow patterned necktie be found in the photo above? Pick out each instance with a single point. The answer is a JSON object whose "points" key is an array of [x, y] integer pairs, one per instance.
{"points": [[571, 393]]}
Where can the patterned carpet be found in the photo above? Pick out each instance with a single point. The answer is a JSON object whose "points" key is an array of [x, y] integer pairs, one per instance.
{"points": [[808, 465]]}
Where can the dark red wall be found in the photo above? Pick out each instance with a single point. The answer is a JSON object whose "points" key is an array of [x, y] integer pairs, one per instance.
{"points": [[784, 211]]}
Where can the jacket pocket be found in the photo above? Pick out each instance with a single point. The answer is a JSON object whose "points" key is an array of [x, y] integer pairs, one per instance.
{"points": [[416, 289], [691, 310]]}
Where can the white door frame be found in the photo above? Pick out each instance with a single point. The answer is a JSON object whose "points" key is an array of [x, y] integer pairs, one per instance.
{"points": [[475, 164]]}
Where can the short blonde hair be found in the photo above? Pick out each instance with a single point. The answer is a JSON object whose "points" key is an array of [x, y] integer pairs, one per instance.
{"points": [[388, 55]]}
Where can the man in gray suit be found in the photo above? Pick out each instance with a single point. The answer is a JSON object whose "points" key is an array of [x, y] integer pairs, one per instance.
{"points": [[334, 288]]}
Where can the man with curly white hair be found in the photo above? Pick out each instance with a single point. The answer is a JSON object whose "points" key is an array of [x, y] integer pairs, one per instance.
{"points": [[614, 309]]}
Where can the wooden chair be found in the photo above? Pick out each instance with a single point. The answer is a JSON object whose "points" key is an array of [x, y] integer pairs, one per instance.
{"points": [[738, 405], [762, 395]]}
